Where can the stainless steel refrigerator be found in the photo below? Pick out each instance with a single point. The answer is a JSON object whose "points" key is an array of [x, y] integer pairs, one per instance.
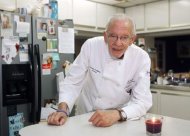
{"points": [[24, 87]]}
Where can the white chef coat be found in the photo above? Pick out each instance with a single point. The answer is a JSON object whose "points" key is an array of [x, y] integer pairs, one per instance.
{"points": [[107, 82]]}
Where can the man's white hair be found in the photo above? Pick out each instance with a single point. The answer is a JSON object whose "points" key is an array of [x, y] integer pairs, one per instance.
{"points": [[123, 17]]}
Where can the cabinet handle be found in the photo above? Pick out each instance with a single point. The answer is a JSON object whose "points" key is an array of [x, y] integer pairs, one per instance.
{"points": [[176, 94], [153, 92]]}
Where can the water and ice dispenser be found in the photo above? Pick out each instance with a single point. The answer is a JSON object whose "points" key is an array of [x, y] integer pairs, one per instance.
{"points": [[17, 84]]}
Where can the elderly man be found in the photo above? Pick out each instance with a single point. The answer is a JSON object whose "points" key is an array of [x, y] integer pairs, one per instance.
{"points": [[110, 76]]}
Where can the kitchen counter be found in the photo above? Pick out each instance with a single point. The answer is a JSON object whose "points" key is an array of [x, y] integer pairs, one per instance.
{"points": [[170, 87], [79, 126]]}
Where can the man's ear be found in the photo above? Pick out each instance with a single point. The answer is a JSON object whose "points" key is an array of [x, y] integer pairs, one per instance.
{"points": [[105, 37], [133, 39]]}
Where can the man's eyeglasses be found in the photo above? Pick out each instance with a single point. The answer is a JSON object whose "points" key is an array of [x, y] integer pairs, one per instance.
{"points": [[114, 38]]}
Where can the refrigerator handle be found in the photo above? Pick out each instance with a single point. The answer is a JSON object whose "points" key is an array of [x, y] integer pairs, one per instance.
{"points": [[32, 99], [30, 53], [37, 53]]}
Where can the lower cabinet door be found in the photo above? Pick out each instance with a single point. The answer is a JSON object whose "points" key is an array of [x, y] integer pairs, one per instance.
{"points": [[175, 105]]}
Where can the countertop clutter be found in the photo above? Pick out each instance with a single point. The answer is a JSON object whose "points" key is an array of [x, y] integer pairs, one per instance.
{"points": [[79, 125], [170, 78]]}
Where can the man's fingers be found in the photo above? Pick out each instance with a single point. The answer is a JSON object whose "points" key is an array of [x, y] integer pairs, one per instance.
{"points": [[56, 118], [104, 118], [52, 120], [93, 117], [62, 121], [96, 119]]}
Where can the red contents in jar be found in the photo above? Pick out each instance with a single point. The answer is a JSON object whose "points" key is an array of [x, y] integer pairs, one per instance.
{"points": [[153, 125]]}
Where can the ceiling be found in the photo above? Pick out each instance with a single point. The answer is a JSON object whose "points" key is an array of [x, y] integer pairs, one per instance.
{"points": [[124, 3]]}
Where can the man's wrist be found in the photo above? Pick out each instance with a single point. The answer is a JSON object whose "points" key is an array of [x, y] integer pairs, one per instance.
{"points": [[63, 107], [122, 114], [65, 112]]}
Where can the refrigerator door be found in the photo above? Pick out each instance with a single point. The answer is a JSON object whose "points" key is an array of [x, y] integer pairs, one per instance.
{"points": [[22, 107], [42, 37], [46, 83]]}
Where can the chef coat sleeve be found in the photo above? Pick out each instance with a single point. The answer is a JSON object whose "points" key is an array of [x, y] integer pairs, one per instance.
{"points": [[141, 97], [72, 85]]}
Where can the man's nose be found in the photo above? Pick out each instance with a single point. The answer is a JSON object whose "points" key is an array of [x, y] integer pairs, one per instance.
{"points": [[118, 41]]}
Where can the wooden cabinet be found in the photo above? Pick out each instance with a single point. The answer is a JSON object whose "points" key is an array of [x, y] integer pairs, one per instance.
{"points": [[179, 13], [161, 16], [65, 10], [84, 13], [8, 5], [175, 105], [103, 13], [137, 14], [157, 15], [120, 10], [30, 5], [171, 103]]}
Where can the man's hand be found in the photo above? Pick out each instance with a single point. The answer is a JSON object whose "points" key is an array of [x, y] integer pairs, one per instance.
{"points": [[58, 118], [104, 118]]}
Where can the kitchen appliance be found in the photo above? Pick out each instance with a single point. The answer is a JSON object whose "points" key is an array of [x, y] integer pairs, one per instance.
{"points": [[24, 87]]}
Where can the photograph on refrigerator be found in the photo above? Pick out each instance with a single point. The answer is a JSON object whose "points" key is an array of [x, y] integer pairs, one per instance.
{"points": [[41, 28], [51, 27], [6, 25]]}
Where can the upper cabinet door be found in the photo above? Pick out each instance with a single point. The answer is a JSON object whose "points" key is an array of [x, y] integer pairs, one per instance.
{"points": [[84, 12], [157, 15], [32, 5], [120, 10], [65, 9], [137, 14], [103, 14], [8, 5], [179, 13]]}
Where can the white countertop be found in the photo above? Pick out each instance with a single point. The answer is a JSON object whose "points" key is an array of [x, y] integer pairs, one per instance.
{"points": [[171, 87], [79, 126]]}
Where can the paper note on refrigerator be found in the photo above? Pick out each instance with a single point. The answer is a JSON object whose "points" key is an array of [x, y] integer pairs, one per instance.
{"points": [[52, 45], [10, 48], [66, 40], [23, 53], [23, 27]]}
